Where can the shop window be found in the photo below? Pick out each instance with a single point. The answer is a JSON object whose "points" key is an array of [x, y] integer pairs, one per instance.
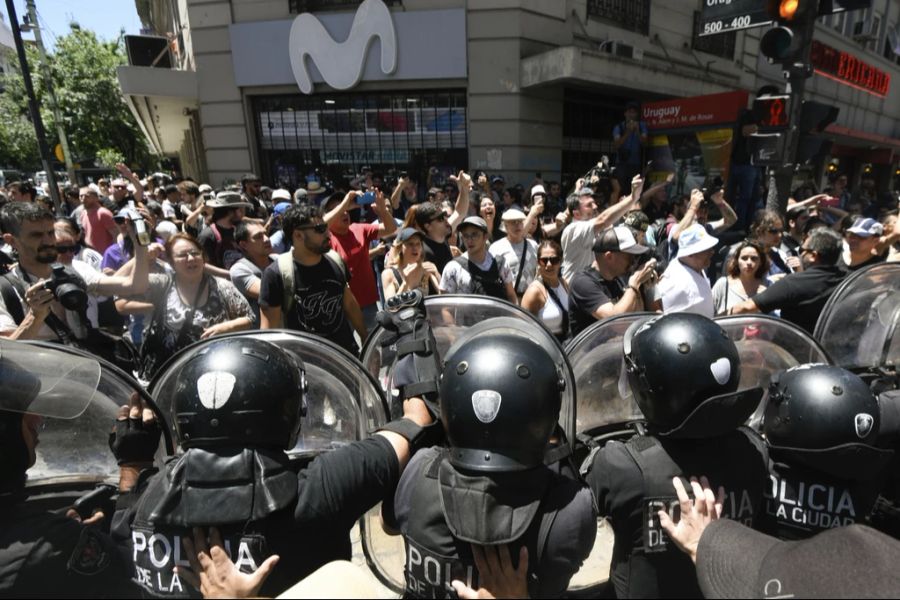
{"points": [[302, 6], [339, 133], [721, 44], [633, 15]]}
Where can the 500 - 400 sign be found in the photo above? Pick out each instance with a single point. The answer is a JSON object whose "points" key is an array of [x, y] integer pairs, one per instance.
{"points": [[724, 25]]}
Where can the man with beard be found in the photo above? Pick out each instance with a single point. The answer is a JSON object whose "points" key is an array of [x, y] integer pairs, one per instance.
{"points": [[28, 307], [308, 290], [246, 274], [802, 296]]}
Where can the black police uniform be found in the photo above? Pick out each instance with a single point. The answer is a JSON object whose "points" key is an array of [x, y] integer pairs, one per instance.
{"points": [[305, 518], [632, 481], [46, 555], [558, 538], [801, 502]]}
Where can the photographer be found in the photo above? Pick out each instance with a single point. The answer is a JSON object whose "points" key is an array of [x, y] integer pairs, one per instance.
{"points": [[42, 299]]}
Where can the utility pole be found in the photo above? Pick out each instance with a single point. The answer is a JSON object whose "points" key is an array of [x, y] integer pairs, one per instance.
{"points": [[33, 107], [51, 93]]}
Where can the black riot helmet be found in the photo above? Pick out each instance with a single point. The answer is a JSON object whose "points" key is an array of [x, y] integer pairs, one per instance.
{"points": [[684, 372], [239, 391], [20, 388], [825, 418], [500, 401]]}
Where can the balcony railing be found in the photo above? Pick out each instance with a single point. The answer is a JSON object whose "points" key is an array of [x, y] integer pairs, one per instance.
{"points": [[633, 15], [303, 6]]}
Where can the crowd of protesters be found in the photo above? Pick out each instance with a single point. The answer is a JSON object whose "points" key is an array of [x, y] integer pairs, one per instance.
{"points": [[609, 247]]}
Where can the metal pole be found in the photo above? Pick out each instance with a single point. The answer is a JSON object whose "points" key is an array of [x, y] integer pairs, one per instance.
{"points": [[33, 106], [48, 83]]}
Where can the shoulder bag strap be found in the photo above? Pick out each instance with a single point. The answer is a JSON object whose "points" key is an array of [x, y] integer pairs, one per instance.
{"points": [[12, 298], [521, 265], [563, 309]]}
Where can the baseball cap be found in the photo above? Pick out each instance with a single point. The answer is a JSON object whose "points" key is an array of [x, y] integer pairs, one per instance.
{"points": [[434, 191], [618, 239], [538, 190], [733, 561], [282, 207], [249, 177], [695, 239], [474, 222], [281, 194], [496, 178], [205, 188], [796, 209], [866, 228], [407, 233]]}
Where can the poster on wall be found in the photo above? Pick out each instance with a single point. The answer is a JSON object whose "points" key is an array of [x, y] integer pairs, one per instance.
{"points": [[692, 138]]}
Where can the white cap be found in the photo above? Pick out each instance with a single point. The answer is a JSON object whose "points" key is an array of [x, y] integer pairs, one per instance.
{"points": [[205, 188], [281, 194], [695, 239], [513, 214], [538, 190]]}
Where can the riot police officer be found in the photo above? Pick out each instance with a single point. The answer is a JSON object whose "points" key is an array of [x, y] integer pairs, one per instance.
{"points": [[237, 408], [43, 553], [822, 426], [684, 372], [500, 481]]}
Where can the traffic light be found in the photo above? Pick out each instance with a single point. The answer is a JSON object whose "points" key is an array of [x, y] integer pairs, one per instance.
{"points": [[786, 42], [814, 118], [772, 113]]}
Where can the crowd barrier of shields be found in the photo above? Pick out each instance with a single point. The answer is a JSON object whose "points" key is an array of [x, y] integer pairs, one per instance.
{"points": [[79, 394]]}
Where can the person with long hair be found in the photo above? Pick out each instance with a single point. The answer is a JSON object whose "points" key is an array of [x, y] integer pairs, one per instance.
{"points": [[547, 297], [186, 307], [745, 276], [767, 229], [409, 270]]}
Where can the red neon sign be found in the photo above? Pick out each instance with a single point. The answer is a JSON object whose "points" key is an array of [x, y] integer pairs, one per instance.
{"points": [[845, 68]]}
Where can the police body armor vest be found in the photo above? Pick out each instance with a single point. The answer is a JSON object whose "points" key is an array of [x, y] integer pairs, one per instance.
{"points": [[655, 567], [485, 283], [800, 503], [250, 497], [434, 557]]}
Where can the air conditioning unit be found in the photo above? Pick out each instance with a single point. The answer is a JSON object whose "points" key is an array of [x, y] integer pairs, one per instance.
{"points": [[148, 51], [622, 49], [864, 31]]}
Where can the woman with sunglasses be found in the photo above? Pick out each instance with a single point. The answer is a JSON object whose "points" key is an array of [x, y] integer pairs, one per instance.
{"points": [[547, 297], [187, 306], [767, 229], [64, 226], [745, 276], [409, 270]]}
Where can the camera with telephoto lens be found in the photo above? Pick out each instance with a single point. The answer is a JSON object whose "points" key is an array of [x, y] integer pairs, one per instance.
{"points": [[68, 288]]}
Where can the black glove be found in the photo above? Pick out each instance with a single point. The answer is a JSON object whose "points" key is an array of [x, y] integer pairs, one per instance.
{"points": [[134, 441], [417, 368]]}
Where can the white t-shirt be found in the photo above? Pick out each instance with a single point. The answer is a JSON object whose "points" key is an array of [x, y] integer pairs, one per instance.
{"points": [[512, 253], [456, 280], [685, 290], [552, 314], [577, 244]]}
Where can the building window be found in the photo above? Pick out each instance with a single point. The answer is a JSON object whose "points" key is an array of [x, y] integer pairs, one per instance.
{"points": [[303, 6], [721, 44], [627, 14], [337, 134]]}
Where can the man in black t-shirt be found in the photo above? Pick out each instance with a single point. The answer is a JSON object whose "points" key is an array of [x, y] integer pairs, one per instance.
{"points": [[321, 301], [597, 292], [802, 296], [217, 240], [433, 221]]}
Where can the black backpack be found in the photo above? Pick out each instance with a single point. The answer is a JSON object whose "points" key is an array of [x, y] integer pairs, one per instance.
{"points": [[485, 283]]}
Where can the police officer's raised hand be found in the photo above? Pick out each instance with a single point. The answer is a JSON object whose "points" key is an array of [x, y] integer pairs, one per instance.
{"points": [[212, 572], [695, 516], [497, 576]]}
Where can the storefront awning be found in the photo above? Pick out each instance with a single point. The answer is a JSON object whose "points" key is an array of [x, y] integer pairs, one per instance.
{"points": [[161, 100], [572, 64], [861, 139]]}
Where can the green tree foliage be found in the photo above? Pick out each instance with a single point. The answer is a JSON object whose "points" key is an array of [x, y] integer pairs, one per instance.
{"points": [[94, 115]]}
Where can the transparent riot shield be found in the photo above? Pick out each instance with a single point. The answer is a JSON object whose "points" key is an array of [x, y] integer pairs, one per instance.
{"points": [[767, 345], [343, 400], [858, 326], [77, 395], [452, 317]]}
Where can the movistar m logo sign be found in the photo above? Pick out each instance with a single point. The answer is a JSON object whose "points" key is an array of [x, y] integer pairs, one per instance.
{"points": [[341, 63]]}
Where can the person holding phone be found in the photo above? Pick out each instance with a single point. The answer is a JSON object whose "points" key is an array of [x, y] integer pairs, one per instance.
{"points": [[352, 240], [629, 138]]}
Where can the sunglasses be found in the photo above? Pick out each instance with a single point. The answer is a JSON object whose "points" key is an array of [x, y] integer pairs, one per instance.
{"points": [[550, 260], [773, 230], [67, 249], [320, 228], [187, 254]]}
